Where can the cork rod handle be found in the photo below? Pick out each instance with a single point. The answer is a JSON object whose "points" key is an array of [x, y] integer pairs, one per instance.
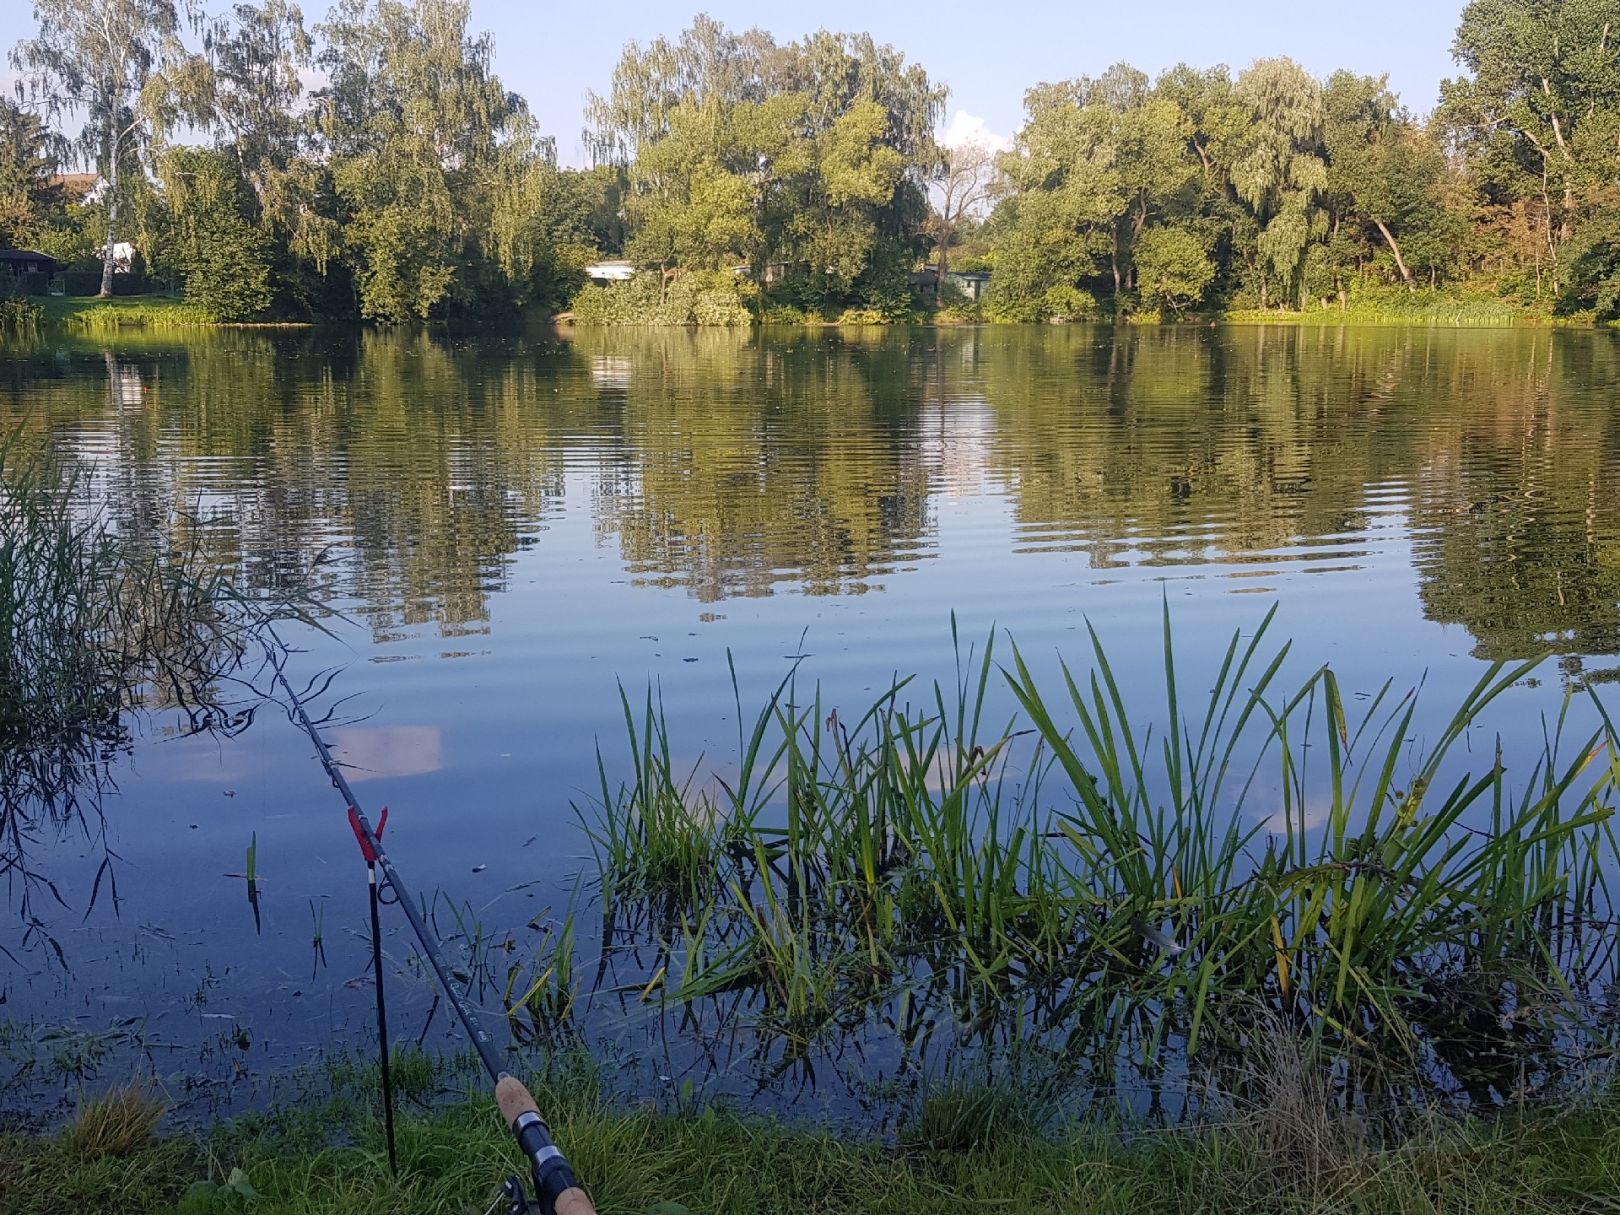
{"points": [[515, 1101]]}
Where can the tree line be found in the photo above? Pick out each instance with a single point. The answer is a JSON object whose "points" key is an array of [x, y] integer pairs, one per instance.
{"points": [[375, 166]]}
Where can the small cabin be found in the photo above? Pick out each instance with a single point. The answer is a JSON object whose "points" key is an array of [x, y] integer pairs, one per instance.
{"points": [[971, 282], [26, 261], [925, 282]]}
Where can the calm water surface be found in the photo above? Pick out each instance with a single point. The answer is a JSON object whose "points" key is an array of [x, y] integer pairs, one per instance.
{"points": [[514, 527]]}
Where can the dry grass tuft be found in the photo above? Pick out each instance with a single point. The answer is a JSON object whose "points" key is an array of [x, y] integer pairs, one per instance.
{"points": [[1296, 1122], [115, 1123]]}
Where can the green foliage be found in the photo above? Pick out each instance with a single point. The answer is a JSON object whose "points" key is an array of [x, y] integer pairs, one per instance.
{"points": [[29, 203], [716, 297], [437, 164], [123, 66], [1595, 267], [1173, 268], [20, 316], [224, 256], [411, 185], [809, 157]]}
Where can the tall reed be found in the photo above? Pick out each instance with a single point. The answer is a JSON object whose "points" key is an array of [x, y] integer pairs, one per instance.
{"points": [[93, 627], [1126, 881]]}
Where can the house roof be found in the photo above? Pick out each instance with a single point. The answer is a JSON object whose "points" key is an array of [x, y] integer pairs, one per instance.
{"points": [[25, 255]]}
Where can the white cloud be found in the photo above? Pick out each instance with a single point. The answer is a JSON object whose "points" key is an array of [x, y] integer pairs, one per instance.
{"points": [[965, 129]]}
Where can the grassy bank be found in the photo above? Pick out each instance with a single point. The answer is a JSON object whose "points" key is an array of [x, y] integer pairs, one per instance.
{"points": [[1396, 307], [92, 314], [326, 1156]]}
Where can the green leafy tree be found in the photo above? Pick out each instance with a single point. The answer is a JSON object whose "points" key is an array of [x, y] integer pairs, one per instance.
{"points": [[1383, 171], [420, 131], [1539, 113], [28, 200], [810, 157], [224, 255], [1173, 268], [1098, 162]]}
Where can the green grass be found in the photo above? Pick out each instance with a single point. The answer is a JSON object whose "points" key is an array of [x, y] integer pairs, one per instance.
{"points": [[1393, 306], [91, 314], [326, 1158]]}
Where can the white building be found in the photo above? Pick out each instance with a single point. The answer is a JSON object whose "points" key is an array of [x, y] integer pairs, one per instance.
{"points": [[614, 271]]}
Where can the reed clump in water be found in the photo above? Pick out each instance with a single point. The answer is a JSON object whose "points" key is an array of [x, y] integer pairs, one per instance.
{"points": [[1132, 896], [94, 626], [20, 316]]}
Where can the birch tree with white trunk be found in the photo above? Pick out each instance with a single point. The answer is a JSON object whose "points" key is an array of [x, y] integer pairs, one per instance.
{"points": [[113, 62]]}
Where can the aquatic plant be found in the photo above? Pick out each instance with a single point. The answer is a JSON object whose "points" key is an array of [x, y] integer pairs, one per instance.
{"points": [[1132, 894], [20, 316], [94, 627]]}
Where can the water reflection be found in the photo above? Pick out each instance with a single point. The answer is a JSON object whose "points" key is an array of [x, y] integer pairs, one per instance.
{"points": [[375, 752], [556, 514], [735, 465]]}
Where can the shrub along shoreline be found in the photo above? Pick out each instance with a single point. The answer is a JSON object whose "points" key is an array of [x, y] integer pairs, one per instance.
{"points": [[696, 301]]}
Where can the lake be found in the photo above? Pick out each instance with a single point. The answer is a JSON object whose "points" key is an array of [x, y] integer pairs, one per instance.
{"points": [[515, 527]]}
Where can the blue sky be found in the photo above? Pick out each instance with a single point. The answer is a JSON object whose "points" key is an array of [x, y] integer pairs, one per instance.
{"points": [[988, 53]]}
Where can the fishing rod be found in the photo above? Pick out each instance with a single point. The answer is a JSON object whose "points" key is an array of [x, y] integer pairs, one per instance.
{"points": [[557, 1192]]}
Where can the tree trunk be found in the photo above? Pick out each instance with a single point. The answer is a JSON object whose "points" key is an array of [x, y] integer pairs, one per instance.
{"points": [[1114, 259], [944, 257], [1400, 262], [112, 216]]}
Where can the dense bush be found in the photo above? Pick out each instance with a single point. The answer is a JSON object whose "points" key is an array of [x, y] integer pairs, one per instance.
{"points": [[81, 282], [223, 254], [696, 298], [1059, 303]]}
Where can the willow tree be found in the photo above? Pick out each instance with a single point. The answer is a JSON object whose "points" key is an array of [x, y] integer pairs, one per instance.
{"points": [[1279, 171], [115, 63], [415, 120]]}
